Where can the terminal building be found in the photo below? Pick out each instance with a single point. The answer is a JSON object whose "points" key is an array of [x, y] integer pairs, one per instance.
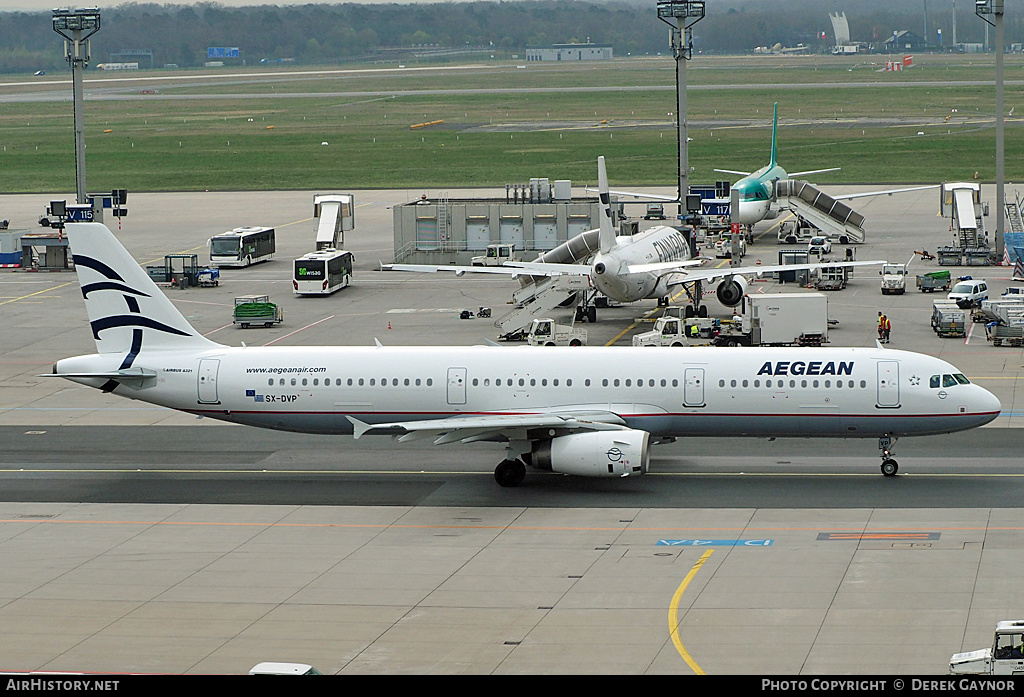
{"points": [[536, 219], [569, 52]]}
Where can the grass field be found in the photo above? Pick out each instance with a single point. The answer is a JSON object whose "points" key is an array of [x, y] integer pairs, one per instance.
{"points": [[257, 129]]}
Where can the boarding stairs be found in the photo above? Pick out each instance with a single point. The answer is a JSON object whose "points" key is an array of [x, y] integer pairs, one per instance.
{"points": [[1013, 238], [835, 219], [329, 209], [539, 295]]}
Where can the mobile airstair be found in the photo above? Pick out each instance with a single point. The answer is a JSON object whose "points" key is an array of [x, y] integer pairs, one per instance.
{"points": [[835, 219]]}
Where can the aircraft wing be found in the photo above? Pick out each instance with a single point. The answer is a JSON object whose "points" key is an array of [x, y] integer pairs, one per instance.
{"points": [[733, 171], [888, 192], [663, 267], [457, 270], [814, 171], [511, 268], [655, 197], [468, 429], [725, 271]]}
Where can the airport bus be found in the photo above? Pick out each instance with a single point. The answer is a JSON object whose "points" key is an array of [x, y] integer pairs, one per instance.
{"points": [[322, 272], [242, 246]]}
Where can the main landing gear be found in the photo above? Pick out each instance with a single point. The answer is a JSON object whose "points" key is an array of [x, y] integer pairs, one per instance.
{"points": [[889, 465], [511, 471]]}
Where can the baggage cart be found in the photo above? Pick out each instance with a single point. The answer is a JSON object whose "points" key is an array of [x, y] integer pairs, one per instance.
{"points": [[256, 309], [1000, 334], [931, 282], [949, 320]]}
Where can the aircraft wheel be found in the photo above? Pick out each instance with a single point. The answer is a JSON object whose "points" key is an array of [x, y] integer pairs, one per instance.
{"points": [[703, 311], [890, 467], [688, 312], [592, 315], [510, 473]]}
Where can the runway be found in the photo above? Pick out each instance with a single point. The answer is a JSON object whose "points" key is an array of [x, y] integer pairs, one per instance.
{"points": [[240, 465]]}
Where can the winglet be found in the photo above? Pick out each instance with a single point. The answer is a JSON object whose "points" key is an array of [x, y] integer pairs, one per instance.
{"points": [[606, 238]]}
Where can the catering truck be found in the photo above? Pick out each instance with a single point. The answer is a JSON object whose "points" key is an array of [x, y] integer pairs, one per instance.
{"points": [[781, 319]]}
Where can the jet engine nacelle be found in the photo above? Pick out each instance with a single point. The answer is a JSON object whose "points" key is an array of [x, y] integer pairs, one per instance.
{"points": [[595, 453], [730, 292]]}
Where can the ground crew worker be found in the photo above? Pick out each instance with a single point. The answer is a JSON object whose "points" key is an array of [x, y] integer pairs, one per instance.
{"points": [[694, 331], [886, 327], [880, 319]]}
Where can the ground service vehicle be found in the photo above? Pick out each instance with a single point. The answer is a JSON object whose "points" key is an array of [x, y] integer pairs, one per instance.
{"points": [[182, 271], [545, 332], [242, 246], [322, 272], [968, 292], [497, 254], [819, 245], [256, 309], [1004, 657], [668, 331], [894, 279], [782, 319], [796, 230], [931, 282]]}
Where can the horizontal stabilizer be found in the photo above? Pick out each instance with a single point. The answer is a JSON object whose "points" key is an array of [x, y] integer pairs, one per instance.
{"points": [[120, 375]]}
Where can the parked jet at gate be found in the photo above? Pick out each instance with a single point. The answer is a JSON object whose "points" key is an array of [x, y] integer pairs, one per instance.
{"points": [[582, 411], [646, 265], [756, 194]]}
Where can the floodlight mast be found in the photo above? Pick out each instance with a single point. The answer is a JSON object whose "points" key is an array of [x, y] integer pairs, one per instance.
{"points": [[995, 8], [684, 14], [76, 26]]}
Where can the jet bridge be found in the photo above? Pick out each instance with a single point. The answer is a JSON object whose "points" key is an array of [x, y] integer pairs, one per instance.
{"points": [[539, 295], [335, 213], [835, 219]]}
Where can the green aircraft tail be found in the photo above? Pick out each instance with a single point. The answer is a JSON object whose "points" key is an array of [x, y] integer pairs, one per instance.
{"points": [[775, 127]]}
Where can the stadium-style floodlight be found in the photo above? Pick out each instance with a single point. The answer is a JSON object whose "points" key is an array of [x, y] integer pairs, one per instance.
{"points": [[76, 26], [681, 15], [995, 8]]}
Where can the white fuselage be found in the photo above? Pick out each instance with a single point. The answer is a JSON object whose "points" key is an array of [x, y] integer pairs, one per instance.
{"points": [[657, 244], [699, 391]]}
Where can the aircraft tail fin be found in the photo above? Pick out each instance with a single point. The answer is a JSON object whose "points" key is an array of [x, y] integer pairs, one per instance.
{"points": [[775, 128], [606, 239], [127, 311]]}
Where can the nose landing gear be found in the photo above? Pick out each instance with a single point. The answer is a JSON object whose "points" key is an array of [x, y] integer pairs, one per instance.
{"points": [[889, 465]]}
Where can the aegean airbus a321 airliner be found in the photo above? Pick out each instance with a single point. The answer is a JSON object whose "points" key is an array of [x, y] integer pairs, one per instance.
{"points": [[581, 411]]}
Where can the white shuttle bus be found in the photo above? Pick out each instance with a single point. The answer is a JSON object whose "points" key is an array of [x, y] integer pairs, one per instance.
{"points": [[242, 246], [322, 272]]}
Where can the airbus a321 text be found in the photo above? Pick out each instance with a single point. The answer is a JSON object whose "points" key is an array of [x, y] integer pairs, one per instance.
{"points": [[579, 411]]}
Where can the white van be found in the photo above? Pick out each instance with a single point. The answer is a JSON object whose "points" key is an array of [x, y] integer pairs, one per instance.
{"points": [[969, 293]]}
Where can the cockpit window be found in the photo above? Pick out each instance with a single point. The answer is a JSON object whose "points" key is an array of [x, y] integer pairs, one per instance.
{"points": [[948, 381], [962, 379], [934, 381]]}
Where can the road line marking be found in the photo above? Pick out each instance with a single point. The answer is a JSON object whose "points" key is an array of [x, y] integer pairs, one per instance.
{"points": [[14, 300], [673, 615]]}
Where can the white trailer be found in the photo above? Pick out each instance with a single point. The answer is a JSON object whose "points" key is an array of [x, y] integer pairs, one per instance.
{"points": [[546, 332], [783, 319], [1004, 657]]}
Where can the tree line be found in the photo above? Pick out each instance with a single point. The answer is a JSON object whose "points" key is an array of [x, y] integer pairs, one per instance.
{"points": [[321, 33]]}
